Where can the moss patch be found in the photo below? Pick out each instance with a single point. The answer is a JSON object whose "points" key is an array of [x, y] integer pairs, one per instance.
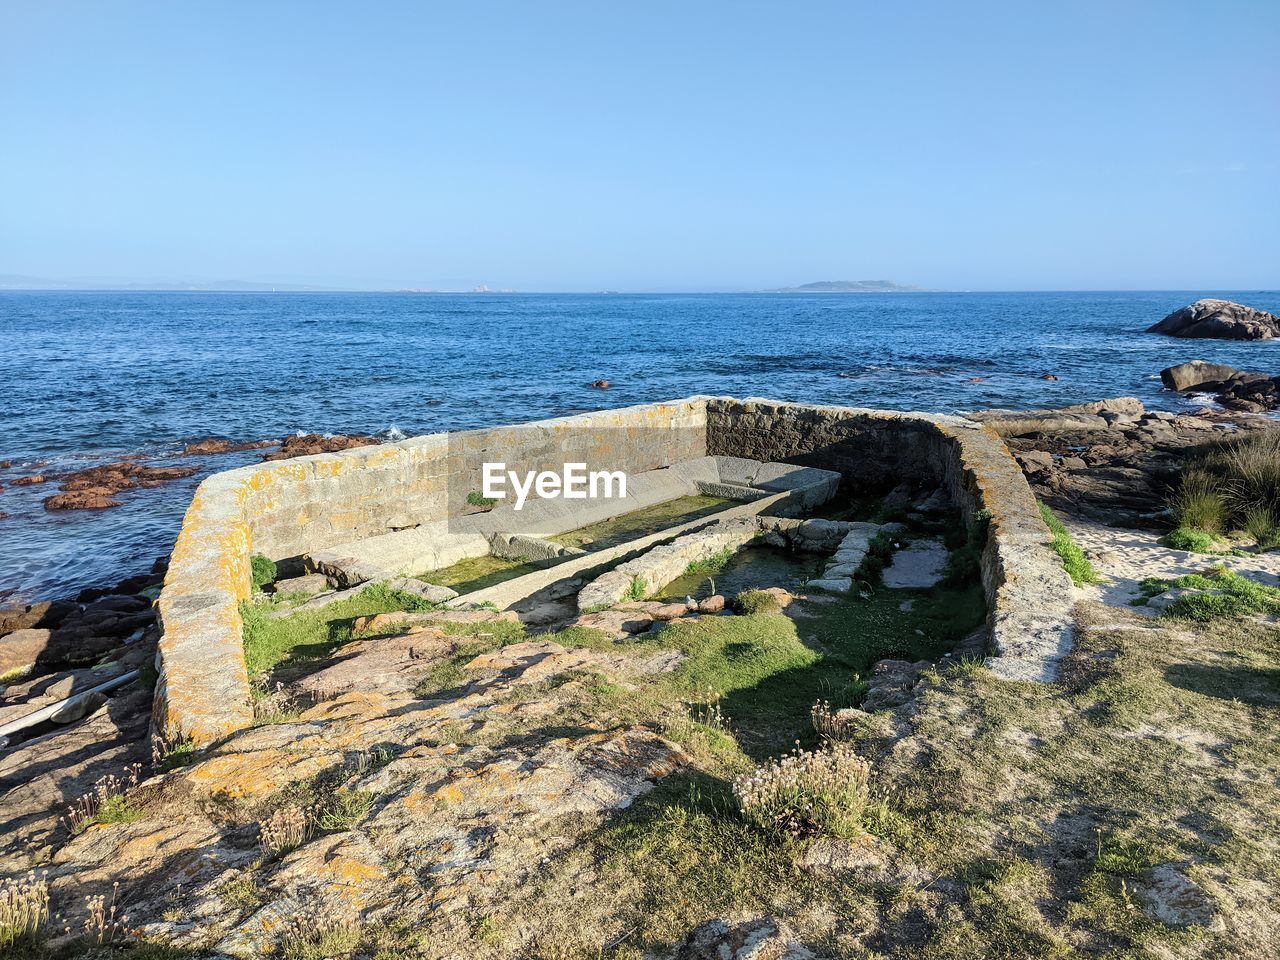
{"points": [[640, 523]]}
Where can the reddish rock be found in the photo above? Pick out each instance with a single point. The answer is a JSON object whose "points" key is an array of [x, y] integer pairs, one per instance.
{"points": [[712, 604], [80, 500], [669, 611], [313, 443], [5, 464], [30, 481], [94, 488], [215, 445], [22, 648], [1048, 376], [600, 384]]}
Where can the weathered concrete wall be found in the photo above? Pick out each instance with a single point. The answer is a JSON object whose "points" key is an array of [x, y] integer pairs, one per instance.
{"points": [[1029, 594], [290, 507]]}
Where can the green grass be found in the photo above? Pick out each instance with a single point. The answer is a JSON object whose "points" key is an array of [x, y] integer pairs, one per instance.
{"points": [[1234, 596], [1191, 540], [476, 573], [477, 499], [1235, 486], [1074, 561], [712, 564], [640, 523], [118, 809], [344, 810], [310, 635], [755, 601]]}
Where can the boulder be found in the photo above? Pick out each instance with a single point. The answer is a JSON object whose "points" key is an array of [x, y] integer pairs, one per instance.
{"points": [[1188, 376], [22, 648], [310, 444], [50, 613], [1219, 319]]}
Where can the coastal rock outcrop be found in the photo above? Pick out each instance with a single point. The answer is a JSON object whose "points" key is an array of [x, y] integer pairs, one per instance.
{"points": [[217, 445], [1219, 319], [1234, 389], [1189, 376], [312, 443], [94, 488]]}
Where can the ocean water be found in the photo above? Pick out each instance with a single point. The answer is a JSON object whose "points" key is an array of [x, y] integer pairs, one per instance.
{"points": [[88, 377]]}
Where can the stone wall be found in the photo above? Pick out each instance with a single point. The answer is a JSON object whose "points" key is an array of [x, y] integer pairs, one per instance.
{"points": [[1029, 595], [290, 507]]}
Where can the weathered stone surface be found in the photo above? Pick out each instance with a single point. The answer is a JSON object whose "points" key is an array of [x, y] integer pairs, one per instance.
{"points": [[712, 604], [1170, 896], [762, 938], [430, 592], [309, 444], [400, 620], [618, 624], [21, 648], [1219, 319], [47, 614], [1188, 376], [662, 564], [917, 566], [309, 583], [832, 584]]}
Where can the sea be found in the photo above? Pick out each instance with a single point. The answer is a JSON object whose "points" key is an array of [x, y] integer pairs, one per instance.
{"points": [[89, 377]]}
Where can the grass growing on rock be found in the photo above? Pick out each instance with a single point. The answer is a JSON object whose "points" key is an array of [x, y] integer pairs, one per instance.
{"points": [[310, 635], [1017, 820], [1074, 561]]}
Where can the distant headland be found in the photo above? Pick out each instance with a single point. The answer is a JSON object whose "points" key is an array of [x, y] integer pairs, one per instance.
{"points": [[849, 286]]}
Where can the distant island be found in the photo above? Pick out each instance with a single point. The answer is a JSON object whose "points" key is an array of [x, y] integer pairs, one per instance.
{"points": [[849, 286]]}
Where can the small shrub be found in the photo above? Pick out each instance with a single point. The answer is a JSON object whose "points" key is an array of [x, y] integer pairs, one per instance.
{"points": [[263, 570], [307, 937], [170, 755], [105, 803], [879, 552], [806, 793], [638, 589], [1199, 502], [750, 602], [1193, 541], [242, 893], [344, 810], [1261, 524], [477, 499], [24, 909], [1074, 561], [101, 927], [827, 723], [286, 828]]}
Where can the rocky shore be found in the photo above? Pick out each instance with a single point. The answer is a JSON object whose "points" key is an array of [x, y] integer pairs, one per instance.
{"points": [[99, 487], [445, 766]]}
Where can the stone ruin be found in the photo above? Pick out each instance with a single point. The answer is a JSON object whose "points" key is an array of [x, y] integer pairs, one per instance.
{"points": [[379, 513]]}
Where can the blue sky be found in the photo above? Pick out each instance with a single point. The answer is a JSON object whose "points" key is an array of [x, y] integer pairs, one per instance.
{"points": [[646, 146]]}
